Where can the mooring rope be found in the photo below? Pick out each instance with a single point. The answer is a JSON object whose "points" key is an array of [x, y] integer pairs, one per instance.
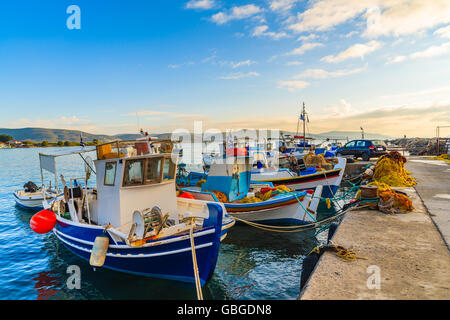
{"points": [[198, 285]]}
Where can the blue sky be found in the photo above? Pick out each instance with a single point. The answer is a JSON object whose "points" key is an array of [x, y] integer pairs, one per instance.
{"points": [[380, 64]]}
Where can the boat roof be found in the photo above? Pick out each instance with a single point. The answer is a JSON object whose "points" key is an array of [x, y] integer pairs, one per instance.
{"points": [[60, 153]]}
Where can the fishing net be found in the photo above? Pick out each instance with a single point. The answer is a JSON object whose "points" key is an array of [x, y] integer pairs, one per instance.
{"points": [[312, 160], [443, 157], [390, 169], [266, 193], [390, 201]]}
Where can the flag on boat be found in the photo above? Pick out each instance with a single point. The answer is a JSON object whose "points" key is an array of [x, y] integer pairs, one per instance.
{"points": [[81, 140]]}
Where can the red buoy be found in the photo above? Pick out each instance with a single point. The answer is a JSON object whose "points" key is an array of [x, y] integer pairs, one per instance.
{"points": [[186, 195], [42, 222]]}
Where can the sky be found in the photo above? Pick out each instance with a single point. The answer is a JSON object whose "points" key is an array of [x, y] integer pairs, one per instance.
{"points": [[383, 65]]}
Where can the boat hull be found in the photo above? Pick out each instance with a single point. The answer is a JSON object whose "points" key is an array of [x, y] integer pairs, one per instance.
{"points": [[168, 258], [33, 202], [330, 179], [288, 210]]}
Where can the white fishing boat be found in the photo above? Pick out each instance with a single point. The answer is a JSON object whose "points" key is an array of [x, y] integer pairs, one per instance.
{"points": [[32, 196], [132, 221]]}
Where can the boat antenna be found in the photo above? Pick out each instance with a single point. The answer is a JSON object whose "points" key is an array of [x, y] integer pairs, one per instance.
{"points": [[304, 129]]}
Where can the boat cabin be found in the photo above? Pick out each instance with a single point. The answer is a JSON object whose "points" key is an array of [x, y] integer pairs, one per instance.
{"points": [[131, 176], [130, 179]]}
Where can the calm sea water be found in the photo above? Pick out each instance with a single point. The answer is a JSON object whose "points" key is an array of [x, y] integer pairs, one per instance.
{"points": [[253, 264]]}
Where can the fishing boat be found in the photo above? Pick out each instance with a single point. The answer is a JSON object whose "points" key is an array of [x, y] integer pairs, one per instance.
{"points": [[230, 183], [308, 178], [32, 196], [132, 221]]}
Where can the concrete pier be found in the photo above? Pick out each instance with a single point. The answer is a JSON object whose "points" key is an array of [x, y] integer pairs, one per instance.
{"points": [[433, 186], [408, 249]]}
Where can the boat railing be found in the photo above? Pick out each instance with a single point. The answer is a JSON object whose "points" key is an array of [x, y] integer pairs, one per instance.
{"points": [[129, 148]]}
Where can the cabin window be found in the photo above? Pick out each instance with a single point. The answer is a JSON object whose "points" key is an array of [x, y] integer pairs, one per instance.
{"points": [[133, 173], [110, 173], [153, 174], [169, 169]]}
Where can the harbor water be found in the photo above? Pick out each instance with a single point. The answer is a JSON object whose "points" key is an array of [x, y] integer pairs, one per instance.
{"points": [[252, 264]]}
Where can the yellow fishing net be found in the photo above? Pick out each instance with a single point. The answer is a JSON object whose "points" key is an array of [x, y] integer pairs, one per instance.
{"points": [[390, 169], [266, 194], [200, 182], [313, 160], [250, 200], [443, 157]]}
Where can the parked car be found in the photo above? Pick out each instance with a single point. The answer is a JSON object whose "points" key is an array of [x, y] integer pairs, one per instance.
{"points": [[365, 149]]}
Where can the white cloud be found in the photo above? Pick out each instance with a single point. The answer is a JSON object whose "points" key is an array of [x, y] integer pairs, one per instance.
{"points": [[282, 5], [358, 50], [308, 37], [382, 17], [200, 4], [323, 74], [240, 75], [443, 32], [176, 66], [325, 14], [261, 31], [404, 17], [236, 13], [432, 51], [238, 64], [293, 63], [293, 85], [396, 59], [342, 109], [305, 47], [350, 34]]}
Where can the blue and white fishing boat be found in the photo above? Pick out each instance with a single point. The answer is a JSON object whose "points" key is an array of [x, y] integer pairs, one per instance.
{"points": [[233, 182], [132, 221], [306, 179]]}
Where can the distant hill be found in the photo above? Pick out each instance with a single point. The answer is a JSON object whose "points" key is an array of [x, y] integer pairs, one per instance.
{"points": [[53, 135], [352, 135]]}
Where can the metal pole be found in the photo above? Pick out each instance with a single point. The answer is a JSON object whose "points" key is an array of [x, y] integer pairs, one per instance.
{"points": [[304, 130], [437, 134]]}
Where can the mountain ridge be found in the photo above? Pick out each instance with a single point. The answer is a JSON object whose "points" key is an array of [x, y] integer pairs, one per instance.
{"points": [[55, 135]]}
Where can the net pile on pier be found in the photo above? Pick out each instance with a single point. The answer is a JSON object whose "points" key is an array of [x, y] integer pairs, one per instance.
{"points": [[390, 169], [391, 200]]}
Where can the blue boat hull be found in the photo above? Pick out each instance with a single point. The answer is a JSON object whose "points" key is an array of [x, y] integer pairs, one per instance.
{"points": [[168, 258]]}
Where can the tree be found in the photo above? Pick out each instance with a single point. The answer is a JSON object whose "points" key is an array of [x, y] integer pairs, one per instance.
{"points": [[67, 143], [60, 144], [5, 138], [44, 143], [95, 141], [27, 142]]}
